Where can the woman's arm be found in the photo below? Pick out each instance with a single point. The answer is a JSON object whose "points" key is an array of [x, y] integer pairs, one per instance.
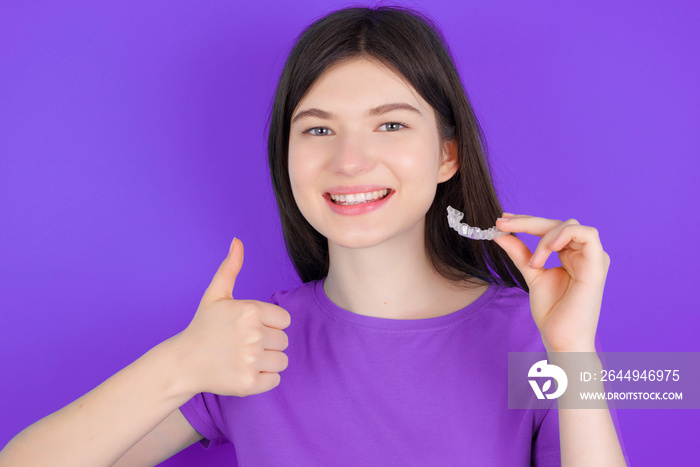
{"points": [[565, 303], [99, 427], [231, 347], [167, 439], [588, 436]]}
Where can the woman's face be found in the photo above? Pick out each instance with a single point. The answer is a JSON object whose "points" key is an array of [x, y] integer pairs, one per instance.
{"points": [[365, 157]]}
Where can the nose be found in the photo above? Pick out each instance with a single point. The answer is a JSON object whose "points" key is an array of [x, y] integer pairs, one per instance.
{"points": [[352, 156]]}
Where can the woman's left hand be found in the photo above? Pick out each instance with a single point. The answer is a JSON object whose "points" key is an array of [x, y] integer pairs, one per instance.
{"points": [[565, 301]]}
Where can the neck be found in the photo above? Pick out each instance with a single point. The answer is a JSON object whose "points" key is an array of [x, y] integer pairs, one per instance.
{"points": [[393, 279]]}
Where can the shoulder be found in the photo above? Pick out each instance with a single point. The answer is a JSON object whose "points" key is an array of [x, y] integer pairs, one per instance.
{"points": [[293, 297], [506, 317], [506, 302]]}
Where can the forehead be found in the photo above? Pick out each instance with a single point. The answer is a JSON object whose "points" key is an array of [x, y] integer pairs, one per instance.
{"points": [[361, 83]]}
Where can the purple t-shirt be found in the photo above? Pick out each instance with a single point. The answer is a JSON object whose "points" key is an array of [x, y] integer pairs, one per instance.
{"points": [[362, 390]]}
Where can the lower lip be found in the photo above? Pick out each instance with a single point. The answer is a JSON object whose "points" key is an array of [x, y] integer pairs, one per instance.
{"points": [[357, 209]]}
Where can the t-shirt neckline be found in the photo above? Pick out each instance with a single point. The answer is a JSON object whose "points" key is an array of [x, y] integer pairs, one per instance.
{"points": [[341, 314]]}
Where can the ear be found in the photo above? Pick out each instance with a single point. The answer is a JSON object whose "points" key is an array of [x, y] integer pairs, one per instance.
{"points": [[450, 161]]}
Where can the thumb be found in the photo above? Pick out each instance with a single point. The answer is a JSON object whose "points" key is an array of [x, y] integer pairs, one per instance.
{"points": [[221, 286]]}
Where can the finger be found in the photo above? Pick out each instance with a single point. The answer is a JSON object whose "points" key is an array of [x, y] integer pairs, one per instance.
{"points": [[576, 236], [221, 286], [274, 339], [273, 361], [520, 254], [573, 236], [265, 381], [565, 235], [527, 224], [275, 317]]}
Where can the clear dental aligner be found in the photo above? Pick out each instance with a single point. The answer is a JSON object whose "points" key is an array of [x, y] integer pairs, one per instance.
{"points": [[475, 233]]}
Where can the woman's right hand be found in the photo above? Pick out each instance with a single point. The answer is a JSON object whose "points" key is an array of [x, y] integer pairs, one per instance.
{"points": [[232, 347]]}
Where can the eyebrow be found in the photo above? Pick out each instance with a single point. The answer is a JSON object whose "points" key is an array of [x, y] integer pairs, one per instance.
{"points": [[381, 110]]}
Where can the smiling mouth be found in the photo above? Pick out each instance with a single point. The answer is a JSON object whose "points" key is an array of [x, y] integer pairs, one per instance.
{"points": [[359, 198]]}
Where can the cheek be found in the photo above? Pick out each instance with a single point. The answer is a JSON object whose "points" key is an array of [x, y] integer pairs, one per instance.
{"points": [[294, 173], [416, 161], [305, 160], [303, 171], [298, 169], [301, 177], [308, 165]]}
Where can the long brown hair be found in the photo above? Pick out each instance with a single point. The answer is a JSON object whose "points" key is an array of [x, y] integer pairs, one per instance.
{"points": [[412, 45]]}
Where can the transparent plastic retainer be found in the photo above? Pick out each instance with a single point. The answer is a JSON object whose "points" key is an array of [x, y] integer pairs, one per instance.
{"points": [[475, 233]]}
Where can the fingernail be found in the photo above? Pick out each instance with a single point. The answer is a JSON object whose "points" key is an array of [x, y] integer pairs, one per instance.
{"points": [[233, 242], [502, 219]]}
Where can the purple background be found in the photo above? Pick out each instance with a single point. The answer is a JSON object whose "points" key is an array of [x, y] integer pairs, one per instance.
{"points": [[132, 149]]}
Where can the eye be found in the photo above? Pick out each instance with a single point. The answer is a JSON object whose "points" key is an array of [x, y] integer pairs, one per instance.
{"points": [[392, 126], [318, 131]]}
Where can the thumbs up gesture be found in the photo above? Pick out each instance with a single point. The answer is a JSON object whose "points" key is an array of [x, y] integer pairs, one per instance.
{"points": [[233, 347]]}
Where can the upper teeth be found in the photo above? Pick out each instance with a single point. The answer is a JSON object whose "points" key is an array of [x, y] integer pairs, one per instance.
{"points": [[355, 198]]}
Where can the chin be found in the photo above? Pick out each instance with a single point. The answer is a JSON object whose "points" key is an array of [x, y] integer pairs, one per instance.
{"points": [[354, 241]]}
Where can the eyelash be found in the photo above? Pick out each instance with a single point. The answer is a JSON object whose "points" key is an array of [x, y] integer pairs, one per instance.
{"points": [[309, 130]]}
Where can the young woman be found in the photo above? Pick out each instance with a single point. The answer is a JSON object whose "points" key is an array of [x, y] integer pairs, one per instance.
{"points": [[394, 351]]}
